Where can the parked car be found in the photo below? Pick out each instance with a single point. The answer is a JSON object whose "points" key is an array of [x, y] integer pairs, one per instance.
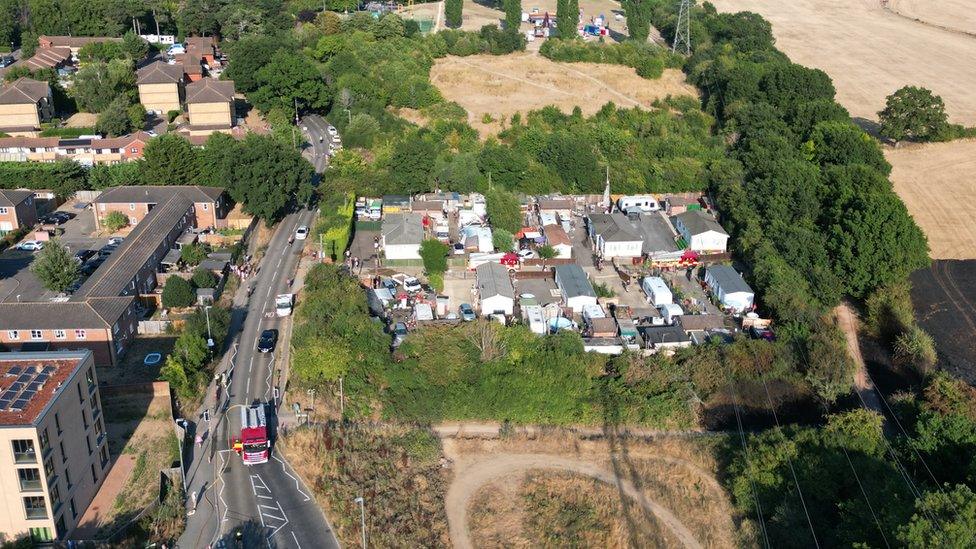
{"points": [[525, 253], [761, 333], [107, 250], [115, 240], [56, 218], [82, 256], [301, 233], [30, 245], [333, 131], [399, 334], [412, 284], [467, 312], [458, 248], [267, 341]]}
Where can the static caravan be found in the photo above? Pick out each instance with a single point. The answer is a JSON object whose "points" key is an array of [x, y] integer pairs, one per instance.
{"points": [[730, 289], [670, 312], [641, 202], [657, 291], [535, 319]]}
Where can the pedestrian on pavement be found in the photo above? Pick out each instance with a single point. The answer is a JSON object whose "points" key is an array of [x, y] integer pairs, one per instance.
{"points": [[199, 441]]}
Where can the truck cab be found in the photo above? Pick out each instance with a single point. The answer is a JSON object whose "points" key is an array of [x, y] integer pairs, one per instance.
{"points": [[283, 304], [254, 446]]}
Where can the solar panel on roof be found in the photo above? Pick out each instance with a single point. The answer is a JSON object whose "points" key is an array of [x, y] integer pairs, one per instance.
{"points": [[28, 394], [16, 386], [8, 394], [42, 377], [35, 386], [14, 371], [25, 377], [19, 405], [4, 403], [48, 369]]}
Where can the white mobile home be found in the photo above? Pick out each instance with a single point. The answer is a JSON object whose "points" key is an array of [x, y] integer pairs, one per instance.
{"points": [[575, 287], [535, 319], [641, 202], [657, 291], [402, 235], [701, 232], [495, 292], [730, 289]]}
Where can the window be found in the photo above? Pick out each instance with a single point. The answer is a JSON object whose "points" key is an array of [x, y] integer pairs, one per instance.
{"points": [[94, 476], [24, 451], [71, 504], [45, 441], [30, 480], [36, 334], [13, 334], [104, 454], [55, 496], [132, 206], [34, 507], [60, 525], [134, 150], [81, 397], [49, 467], [59, 334], [41, 534], [67, 478], [88, 442], [90, 378], [64, 456], [57, 422], [206, 206], [80, 334], [84, 419]]}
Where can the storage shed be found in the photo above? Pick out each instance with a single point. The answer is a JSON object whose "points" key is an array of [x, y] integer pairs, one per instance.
{"points": [[729, 287], [575, 287], [495, 292]]}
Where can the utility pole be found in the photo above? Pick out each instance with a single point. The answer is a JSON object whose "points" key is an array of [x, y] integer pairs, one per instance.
{"points": [[682, 32], [342, 401], [210, 341], [362, 517]]}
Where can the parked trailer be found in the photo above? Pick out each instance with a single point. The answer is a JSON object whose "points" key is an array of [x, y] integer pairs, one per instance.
{"points": [[657, 291]]}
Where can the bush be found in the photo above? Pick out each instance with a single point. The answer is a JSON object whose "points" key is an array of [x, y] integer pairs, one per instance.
{"points": [[115, 221], [171, 115], [647, 59], [202, 278], [177, 293], [434, 253], [193, 254]]}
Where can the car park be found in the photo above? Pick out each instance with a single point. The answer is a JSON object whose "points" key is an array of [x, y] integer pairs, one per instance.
{"points": [[467, 312], [267, 341], [30, 245]]}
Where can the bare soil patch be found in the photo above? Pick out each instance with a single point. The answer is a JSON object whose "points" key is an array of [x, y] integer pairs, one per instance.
{"points": [[946, 308], [870, 52], [937, 183], [663, 490], [500, 86], [82, 120]]}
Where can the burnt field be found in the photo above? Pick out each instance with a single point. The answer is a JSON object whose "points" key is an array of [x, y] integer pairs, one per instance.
{"points": [[945, 304]]}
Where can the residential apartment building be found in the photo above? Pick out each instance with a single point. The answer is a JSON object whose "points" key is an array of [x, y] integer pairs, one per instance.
{"points": [[161, 87], [54, 453], [17, 210], [209, 204], [24, 104], [85, 151], [103, 325], [210, 106]]}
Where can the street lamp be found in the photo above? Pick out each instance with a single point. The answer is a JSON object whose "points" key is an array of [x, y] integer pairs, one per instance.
{"points": [[362, 517], [210, 341]]}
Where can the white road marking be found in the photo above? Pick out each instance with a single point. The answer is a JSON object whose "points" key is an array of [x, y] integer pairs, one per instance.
{"points": [[294, 537], [254, 489], [248, 390], [267, 380], [268, 507], [285, 469], [276, 518], [264, 497], [269, 292], [250, 364]]}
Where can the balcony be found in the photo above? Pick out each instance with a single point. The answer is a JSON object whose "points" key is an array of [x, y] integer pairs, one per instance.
{"points": [[29, 456], [33, 485], [34, 512]]}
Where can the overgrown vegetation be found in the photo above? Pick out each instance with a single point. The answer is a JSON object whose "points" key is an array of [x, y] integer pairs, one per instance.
{"points": [[649, 60], [187, 368], [396, 470]]}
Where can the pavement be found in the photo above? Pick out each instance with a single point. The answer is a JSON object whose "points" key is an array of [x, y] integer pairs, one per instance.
{"points": [[118, 475]]}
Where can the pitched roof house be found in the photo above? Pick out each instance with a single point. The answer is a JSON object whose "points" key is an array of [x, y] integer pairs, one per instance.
{"points": [[210, 106], [160, 87], [16, 210], [24, 104]]}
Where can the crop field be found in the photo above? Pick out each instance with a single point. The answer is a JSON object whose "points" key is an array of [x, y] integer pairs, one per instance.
{"points": [[937, 182], [957, 15], [870, 51], [499, 86], [946, 309]]}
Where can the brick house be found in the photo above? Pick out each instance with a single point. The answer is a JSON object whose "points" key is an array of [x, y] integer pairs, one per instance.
{"points": [[16, 210], [24, 104], [210, 106], [210, 204]]}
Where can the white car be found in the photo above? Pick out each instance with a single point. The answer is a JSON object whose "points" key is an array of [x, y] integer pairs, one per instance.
{"points": [[526, 254], [410, 283], [332, 130], [30, 245], [301, 233]]}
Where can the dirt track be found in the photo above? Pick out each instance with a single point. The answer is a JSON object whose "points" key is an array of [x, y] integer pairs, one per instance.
{"points": [[477, 473], [937, 182], [870, 51]]}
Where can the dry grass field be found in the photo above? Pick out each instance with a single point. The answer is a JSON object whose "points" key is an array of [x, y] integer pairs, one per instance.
{"points": [[937, 182], [475, 15], [958, 15], [503, 85], [870, 51]]}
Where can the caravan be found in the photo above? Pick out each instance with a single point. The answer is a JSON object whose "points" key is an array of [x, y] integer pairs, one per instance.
{"points": [[641, 202]]}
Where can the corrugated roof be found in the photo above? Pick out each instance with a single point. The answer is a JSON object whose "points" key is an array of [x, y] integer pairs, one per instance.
{"points": [[573, 282], [727, 279], [159, 72], [493, 280], [556, 235], [46, 58], [402, 228], [10, 197], [699, 222], [116, 273], [24, 91], [210, 90]]}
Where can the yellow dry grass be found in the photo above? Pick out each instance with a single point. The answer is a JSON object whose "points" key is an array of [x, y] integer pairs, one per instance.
{"points": [[937, 183], [501, 86]]}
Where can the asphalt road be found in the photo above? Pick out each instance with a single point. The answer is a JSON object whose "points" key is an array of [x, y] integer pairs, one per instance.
{"points": [[267, 502], [316, 127]]}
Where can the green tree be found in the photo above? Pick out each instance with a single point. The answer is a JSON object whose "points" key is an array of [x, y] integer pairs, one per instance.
{"points": [[134, 46], [250, 54], [411, 164], [55, 267], [217, 160], [203, 278], [390, 26], [916, 349], [507, 165], [452, 13], [269, 177], [177, 293], [502, 240], [546, 252], [638, 13], [513, 14], [914, 113], [170, 160], [434, 253], [96, 85], [574, 158], [114, 120], [942, 519], [137, 116], [116, 220], [567, 19], [504, 210], [193, 254], [361, 131], [287, 79]]}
